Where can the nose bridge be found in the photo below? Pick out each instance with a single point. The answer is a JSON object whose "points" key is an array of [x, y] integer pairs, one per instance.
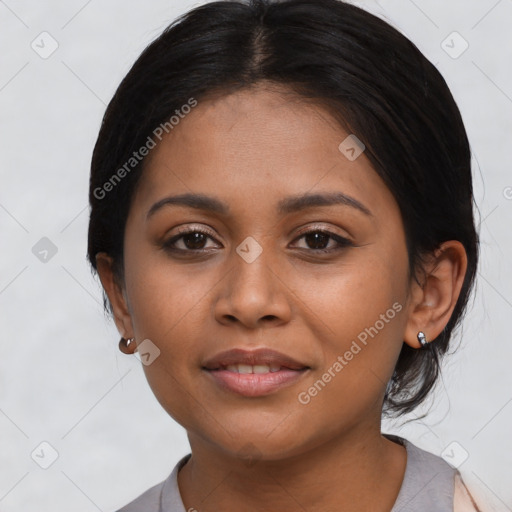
{"points": [[253, 293], [252, 283]]}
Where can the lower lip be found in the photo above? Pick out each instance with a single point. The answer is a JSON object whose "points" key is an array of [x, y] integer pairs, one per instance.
{"points": [[255, 384]]}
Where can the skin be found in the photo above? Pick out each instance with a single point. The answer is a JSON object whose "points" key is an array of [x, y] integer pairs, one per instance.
{"points": [[250, 150]]}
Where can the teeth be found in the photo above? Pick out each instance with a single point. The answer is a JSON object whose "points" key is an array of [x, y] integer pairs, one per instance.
{"points": [[257, 368], [245, 368]]}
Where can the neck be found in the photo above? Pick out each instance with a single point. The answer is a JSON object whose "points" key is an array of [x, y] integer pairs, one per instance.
{"points": [[353, 473]]}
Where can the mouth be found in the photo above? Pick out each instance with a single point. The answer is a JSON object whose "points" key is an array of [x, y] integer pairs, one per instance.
{"points": [[254, 373], [245, 369]]}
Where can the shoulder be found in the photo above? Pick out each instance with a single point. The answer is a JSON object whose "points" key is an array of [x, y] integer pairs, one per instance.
{"points": [[149, 501], [163, 496], [462, 499], [428, 482]]}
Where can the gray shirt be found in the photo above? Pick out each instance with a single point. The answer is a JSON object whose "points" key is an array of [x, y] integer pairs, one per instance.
{"points": [[428, 486]]}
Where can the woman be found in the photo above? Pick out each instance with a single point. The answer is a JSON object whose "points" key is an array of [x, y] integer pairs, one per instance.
{"points": [[282, 221]]}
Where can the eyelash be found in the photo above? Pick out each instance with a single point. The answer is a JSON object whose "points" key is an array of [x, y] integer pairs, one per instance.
{"points": [[341, 241]]}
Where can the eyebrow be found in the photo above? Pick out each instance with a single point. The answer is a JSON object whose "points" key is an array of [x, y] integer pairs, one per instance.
{"points": [[196, 201], [285, 206], [301, 202]]}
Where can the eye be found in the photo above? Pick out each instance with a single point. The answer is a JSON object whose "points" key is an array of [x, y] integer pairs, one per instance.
{"points": [[191, 240], [195, 239], [323, 241]]}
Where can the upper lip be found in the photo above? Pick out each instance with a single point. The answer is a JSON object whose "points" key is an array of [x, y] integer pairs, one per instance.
{"points": [[259, 356]]}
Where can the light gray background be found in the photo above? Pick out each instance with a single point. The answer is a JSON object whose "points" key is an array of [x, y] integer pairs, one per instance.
{"points": [[62, 379]]}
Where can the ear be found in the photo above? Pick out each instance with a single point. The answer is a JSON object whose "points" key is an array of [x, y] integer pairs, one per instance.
{"points": [[115, 294], [432, 302]]}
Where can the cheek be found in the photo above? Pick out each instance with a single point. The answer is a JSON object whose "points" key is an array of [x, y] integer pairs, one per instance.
{"points": [[361, 312], [165, 296], [170, 305], [356, 300]]}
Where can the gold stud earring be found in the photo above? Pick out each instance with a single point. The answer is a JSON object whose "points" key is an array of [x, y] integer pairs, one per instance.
{"points": [[126, 345]]}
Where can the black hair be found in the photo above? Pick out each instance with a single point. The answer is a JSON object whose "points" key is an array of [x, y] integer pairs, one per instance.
{"points": [[365, 72]]}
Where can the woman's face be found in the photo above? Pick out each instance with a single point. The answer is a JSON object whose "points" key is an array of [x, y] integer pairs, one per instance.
{"points": [[293, 246]]}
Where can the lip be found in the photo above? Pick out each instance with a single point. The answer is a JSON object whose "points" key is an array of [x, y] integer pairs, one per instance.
{"points": [[252, 357], [254, 384]]}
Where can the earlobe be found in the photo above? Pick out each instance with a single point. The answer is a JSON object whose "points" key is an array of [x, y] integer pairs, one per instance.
{"points": [[114, 291], [433, 301]]}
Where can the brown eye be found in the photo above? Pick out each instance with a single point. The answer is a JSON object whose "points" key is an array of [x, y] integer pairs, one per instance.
{"points": [[317, 240], [194, 240], [189, 240], [323, 241]]}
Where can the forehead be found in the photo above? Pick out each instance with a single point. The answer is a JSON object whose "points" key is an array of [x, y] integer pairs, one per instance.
{"points": [[255, 146]]}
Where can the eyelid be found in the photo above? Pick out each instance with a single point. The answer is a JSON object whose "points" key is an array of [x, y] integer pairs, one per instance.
{"points": [[323, 228], [310, 227], [180, 230], [192, 228], [344, 240]]}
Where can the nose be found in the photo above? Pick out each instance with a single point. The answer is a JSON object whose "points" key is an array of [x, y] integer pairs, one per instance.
{"points": [[254, 294]]}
